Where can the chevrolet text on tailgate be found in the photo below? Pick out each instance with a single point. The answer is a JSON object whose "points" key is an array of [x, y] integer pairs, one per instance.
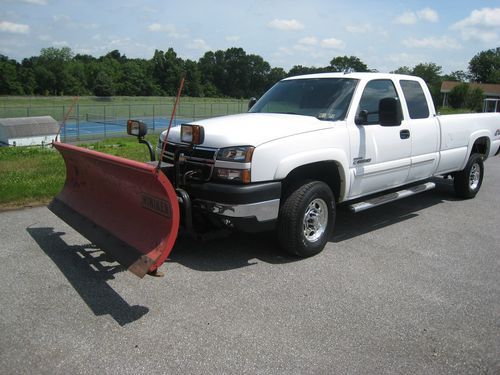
{"points": [[309, 144]]}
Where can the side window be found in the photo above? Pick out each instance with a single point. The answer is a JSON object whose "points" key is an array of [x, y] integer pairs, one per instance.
{"points": [[415, 99], [373, 92]]}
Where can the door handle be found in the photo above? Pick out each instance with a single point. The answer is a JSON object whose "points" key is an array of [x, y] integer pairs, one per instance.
{"points": [[404, 134]]}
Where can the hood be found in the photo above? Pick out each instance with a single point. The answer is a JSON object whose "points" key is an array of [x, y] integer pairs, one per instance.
{"points": [[252, 129]]}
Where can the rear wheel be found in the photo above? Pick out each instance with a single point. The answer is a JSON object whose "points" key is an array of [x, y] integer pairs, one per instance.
{"points": [[306, 219], [468, 181]]}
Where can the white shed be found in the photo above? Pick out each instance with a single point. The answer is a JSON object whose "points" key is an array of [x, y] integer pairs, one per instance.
{"points": [[28, 131]]}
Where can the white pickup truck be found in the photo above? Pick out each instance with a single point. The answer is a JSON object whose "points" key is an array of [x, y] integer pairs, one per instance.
{"points": [[316, 141]]}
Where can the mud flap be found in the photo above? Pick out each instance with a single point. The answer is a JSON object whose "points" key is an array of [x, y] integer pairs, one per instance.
{"points": [[126, 208]]}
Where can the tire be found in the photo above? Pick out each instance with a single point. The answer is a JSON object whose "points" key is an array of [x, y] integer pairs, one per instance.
{"points": [[306, 219], [468, 181]]}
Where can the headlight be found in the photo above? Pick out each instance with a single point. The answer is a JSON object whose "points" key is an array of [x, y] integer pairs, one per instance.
{"points": [[241, 154], [233, 164], [193, 134]]}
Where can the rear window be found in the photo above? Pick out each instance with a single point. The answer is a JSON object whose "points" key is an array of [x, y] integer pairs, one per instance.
{"points": [[415, 99]]}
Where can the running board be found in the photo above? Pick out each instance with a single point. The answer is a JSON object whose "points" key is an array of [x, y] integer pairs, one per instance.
{"points": [[391, 197]]}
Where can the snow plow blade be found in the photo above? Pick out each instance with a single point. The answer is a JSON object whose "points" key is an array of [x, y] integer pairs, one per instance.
{"points": [[126, 208]]}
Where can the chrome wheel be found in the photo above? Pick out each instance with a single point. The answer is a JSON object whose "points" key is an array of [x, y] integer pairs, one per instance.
{"points": [[315, 220], [474, 176]]}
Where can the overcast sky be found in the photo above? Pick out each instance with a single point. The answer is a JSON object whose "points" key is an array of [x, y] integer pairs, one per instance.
{"points": [[383, 34]]}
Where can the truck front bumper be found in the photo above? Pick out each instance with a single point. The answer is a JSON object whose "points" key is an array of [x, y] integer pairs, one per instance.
{"points": [[249, 208], [261, 211]]}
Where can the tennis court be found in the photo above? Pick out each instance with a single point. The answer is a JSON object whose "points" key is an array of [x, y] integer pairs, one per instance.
{"points": [[98, 127]]}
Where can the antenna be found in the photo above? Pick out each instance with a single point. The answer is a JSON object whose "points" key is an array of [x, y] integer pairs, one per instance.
{"points": [[170, 123]]}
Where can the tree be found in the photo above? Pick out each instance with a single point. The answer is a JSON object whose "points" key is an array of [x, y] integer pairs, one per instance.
{"points": [[457, 95], [474, 99], [259, 71], [403, 70], [275, 75], [458, 76], [193, 85], [345, 63], [9, 83], [104, 85], [167, 70], [54, 60], [298, 70], [429, 72], [465, 96], [485, 66]]}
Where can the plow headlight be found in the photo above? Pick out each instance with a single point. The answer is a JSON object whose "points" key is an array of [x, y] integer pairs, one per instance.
{"points": [[192, 134], [137, 128]]}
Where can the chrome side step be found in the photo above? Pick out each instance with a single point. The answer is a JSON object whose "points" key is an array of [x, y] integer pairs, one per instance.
{"points": [[391, 197]]}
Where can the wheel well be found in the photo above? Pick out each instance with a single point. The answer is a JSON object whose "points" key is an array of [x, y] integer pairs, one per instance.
{"points": [[481, 146], [326, 171]]}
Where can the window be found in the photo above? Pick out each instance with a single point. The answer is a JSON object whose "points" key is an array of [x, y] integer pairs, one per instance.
{"points": [[415, 99], [324, 98], [374, 91]]}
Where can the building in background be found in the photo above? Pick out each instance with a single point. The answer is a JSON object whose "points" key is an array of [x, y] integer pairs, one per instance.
{"points": [[491, 93], [28, 131]]}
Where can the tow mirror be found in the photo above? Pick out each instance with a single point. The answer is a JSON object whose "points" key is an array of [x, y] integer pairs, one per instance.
{"points": [[137, 128], [252, 102], [389, 110]]}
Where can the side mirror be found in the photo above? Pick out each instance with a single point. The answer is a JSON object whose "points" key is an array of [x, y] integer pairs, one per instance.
{"points": [[361, 118], [389, 111], [252, 102], [137, 128]]}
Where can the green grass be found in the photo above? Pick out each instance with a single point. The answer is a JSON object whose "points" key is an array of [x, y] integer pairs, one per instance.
{"points": [[453, 111], [118, 106], [34, 175]]}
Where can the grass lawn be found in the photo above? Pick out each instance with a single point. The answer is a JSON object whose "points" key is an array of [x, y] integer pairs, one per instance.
{"points": [[34, 175], [118, 107]]}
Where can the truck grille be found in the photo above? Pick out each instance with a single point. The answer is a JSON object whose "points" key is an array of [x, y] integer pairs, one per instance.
{"points": [[196, 164]]}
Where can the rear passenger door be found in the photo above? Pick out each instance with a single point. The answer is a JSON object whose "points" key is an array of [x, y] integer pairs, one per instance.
{"points": [[380, 155], [424, 131]]}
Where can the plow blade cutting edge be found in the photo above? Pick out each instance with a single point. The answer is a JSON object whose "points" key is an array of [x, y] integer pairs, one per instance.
{"points": [[126, 208]]}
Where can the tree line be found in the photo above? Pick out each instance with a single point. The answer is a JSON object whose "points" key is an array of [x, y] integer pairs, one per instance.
{"points": [[230, 73]]}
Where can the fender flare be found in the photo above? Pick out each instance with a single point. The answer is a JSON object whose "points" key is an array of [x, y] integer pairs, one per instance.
{"points": [[337, 156], [473, 138]]}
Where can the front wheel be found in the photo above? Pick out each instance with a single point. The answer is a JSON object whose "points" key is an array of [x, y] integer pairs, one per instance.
{"points": [[468, 181], [306, 219]]}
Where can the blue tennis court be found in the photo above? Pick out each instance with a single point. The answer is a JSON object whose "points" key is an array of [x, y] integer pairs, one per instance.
{"points": [[100, 128]]}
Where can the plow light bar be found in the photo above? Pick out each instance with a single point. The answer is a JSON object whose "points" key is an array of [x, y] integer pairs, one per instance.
{"points": [[193, 134], [137, 128]]}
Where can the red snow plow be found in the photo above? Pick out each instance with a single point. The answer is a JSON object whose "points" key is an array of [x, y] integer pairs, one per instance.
{"points": [[128, 209]]}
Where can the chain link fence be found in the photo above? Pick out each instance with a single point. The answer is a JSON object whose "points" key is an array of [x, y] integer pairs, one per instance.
{"points": [[97, 121]]}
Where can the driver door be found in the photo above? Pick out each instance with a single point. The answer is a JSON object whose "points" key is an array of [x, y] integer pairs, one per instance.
{"points": [[380, 155]]}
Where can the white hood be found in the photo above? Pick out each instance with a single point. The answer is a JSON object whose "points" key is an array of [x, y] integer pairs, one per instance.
{"points": [[252, 129]]}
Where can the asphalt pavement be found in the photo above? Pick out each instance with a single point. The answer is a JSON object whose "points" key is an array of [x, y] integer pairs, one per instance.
{"points": [[412, 287]]}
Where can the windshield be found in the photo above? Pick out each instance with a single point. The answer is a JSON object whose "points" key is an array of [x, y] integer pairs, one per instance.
{"points": [[323, 98]]}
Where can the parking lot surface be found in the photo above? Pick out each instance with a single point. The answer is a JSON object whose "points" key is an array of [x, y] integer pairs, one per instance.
{"points": [[409, 287]]}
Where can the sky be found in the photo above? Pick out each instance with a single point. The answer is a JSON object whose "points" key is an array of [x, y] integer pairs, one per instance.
{"points": [[385, 35]]}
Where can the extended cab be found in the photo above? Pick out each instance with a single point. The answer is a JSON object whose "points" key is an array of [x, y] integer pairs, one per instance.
{"points": [[315, 141]]}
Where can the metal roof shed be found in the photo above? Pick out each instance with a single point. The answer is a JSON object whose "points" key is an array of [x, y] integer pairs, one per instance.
{"points": [[28, 131]]}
